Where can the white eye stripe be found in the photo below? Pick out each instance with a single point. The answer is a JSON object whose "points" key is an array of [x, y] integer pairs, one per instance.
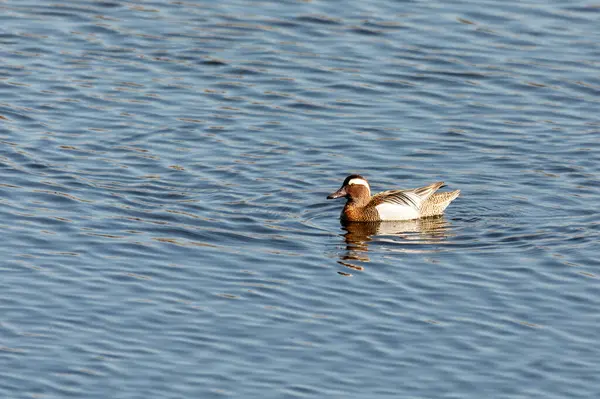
{"points": [[358, 181]]}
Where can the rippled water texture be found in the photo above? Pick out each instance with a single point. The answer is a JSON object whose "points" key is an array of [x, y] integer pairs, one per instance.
{"points": [[164, 167]]}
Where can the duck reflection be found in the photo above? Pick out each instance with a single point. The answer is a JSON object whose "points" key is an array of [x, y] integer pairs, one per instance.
{"points": [[419, 231]]}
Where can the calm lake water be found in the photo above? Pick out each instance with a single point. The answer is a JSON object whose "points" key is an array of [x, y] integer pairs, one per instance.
{"points": [[164, 168]]}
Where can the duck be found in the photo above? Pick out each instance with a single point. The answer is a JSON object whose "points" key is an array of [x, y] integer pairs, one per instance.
{"points": [[391, 205]]}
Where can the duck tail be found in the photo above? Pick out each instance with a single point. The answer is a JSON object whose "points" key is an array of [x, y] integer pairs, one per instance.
{"points": [[438, 202]]}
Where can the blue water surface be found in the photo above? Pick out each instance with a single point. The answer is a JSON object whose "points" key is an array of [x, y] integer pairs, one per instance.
{"points": [[163, 174]]}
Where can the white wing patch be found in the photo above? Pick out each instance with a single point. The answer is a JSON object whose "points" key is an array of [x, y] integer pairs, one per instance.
{"points": [[397, 212], [362, 182]]}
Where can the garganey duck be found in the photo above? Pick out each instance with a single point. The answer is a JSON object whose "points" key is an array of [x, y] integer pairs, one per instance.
{"points": [[390, 205]]}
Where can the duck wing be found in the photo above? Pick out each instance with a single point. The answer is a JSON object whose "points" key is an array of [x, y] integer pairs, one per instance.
{"points": [[412, 198], [425, 192], [403, 204]]}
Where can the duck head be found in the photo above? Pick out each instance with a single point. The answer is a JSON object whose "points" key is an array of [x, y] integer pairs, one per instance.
{"points": [[355, 187]]}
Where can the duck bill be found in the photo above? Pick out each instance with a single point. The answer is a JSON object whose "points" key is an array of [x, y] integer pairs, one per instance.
{"points": [[339, 193]]}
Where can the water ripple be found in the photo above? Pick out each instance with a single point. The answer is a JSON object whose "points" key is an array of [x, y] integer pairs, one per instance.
{"points": [[165, 168]]}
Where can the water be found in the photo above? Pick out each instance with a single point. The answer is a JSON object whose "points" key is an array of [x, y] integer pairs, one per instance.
{"points": [[164, 168]]}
